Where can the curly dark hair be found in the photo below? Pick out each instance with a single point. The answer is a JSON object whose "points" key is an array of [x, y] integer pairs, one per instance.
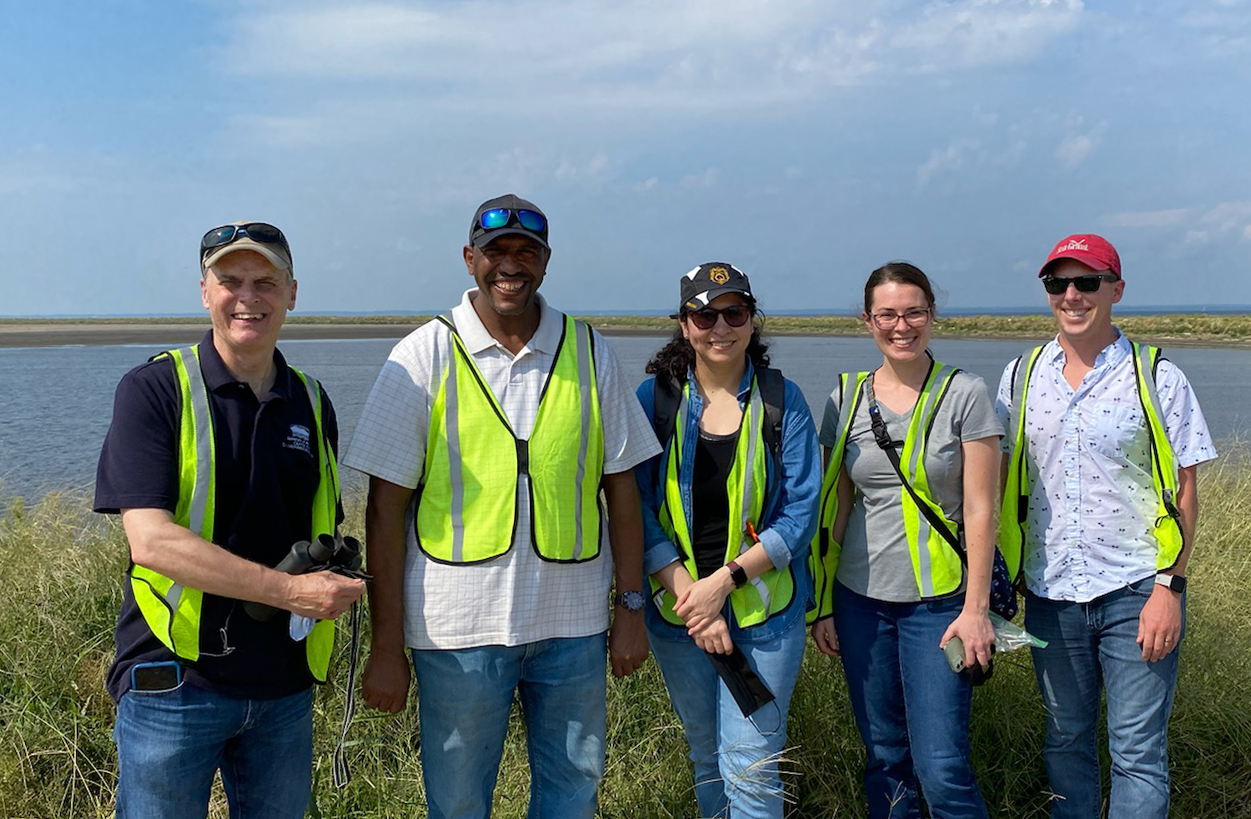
{"points": [[678, 356]]}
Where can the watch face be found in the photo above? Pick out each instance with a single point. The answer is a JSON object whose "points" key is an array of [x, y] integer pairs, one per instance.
{"points": [[631, 600]]}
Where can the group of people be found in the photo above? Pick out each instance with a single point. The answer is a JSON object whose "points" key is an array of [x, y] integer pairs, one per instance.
{"points": [[516, 477]]}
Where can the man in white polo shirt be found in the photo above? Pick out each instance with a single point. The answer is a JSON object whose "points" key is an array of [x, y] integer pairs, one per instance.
{"points": [[1100, 506], [488, 438]]}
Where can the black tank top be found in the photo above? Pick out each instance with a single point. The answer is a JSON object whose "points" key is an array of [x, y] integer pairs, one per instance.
{"points": [[714, 455]]}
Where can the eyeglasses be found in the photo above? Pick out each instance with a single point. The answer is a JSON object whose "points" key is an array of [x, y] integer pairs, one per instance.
{"points": [[503, 217], [913, 318], [735, 315], [1085, 284], [256, 231]]}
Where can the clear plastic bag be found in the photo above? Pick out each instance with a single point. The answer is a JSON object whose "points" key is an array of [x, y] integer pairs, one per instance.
{"points": [[1009, 636]]}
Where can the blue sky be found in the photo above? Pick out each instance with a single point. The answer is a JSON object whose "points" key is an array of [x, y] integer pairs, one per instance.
{"points": [[805, 141]]}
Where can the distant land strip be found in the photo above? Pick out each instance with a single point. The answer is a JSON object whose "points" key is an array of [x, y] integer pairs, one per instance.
{"points": [[1191, 329]]}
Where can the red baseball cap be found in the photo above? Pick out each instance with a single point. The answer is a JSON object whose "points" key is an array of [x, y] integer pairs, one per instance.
{"points": [[1093, 251]]}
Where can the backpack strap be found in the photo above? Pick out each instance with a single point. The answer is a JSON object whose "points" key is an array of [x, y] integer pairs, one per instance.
{"points": [[666, 396], [773, 394]]}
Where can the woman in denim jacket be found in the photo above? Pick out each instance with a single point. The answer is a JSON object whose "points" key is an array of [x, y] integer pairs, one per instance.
{"points": [[729, 509]]}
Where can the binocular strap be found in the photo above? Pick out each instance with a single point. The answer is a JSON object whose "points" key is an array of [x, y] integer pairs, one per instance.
{"points": [[340, 776]]}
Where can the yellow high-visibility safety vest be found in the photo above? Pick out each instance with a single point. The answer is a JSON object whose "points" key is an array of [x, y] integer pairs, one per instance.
{"points": [[766, 595], [1014, 512], [172, 610], [936, 566], [467, 512]]}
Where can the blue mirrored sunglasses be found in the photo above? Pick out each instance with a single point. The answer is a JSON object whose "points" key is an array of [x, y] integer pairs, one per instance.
{"points": [[496, 218]]}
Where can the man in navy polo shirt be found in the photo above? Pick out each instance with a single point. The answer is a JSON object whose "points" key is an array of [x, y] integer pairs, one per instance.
{"points": [[219, 458]]}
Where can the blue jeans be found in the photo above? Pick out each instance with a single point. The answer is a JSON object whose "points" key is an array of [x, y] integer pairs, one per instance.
{"points": [[1093, 645], [736, 759], [912, 711], [170, 743], [464, 700]]}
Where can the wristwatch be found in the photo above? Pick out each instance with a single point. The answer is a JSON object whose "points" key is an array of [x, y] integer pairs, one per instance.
{"points": [[737, 573], [1174, 582], [630, 600]]}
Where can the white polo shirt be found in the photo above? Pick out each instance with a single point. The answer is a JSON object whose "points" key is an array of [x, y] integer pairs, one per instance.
{"points": [[517, 598]]}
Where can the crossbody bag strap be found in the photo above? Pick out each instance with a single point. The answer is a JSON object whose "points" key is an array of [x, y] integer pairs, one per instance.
{"points": [[882, 436]]}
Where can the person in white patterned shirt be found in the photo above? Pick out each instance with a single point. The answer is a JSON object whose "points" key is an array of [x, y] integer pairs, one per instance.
{"points": [[1101, 503], [488, 437]]}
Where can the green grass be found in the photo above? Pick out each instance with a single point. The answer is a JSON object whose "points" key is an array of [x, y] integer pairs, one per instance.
{"points": [[1177, 328], [61, 568]]}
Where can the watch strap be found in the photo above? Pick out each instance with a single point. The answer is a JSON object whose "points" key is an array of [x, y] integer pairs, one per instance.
{"points": [[1174, 582]]}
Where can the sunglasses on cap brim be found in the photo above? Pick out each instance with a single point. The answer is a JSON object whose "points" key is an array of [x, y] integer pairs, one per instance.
{"points": [[228, 234], [497, 218]]}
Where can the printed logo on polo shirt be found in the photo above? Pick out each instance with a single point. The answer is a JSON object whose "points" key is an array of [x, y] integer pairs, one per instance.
{"points": [[298, 439]]}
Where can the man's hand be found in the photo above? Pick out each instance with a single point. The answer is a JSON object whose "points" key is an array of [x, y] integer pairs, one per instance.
{"points": [[385, 681], [321, 595], [825, 637], [627, 642], [1159, 625]]}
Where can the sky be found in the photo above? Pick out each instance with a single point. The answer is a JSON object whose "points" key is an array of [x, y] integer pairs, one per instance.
{"points": [[804, 141]]}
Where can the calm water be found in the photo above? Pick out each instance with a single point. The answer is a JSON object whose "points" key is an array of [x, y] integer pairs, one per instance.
{"points": [[56, 402]]}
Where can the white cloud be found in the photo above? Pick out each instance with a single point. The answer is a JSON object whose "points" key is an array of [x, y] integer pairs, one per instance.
{"points": [[706, 179], [1228, 216], [985, 32], [1147, 219], [595, 169], [641, 55], [952, 158], [1074, 149]]}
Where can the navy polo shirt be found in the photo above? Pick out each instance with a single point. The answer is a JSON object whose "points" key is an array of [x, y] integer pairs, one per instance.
{"points": [[267, 475]]}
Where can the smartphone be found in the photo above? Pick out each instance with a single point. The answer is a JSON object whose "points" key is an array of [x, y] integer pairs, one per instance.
{"points": [[955, 654], [161, 676]]}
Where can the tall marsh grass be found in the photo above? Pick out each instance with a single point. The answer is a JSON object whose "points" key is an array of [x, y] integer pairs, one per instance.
{"points": [[61, 568]]}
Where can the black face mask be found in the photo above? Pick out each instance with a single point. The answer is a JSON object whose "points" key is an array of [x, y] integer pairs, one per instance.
{"points": [[748, 690]]}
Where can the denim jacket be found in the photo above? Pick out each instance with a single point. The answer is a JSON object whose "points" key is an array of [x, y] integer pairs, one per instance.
{"points": [[790, 519]]}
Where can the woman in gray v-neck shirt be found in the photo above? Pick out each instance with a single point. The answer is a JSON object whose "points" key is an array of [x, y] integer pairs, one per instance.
{"points": [[901, 590]]}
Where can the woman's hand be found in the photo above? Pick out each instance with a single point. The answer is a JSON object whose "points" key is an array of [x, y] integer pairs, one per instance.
{"points": [[978, 635], [715, 639], [824, 636], [700, 604]]}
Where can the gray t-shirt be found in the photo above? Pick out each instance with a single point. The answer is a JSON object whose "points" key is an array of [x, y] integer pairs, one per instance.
{"points": [[875, 561]]}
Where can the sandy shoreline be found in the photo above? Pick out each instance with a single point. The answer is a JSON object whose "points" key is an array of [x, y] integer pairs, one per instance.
{"points": [[62, 335], [164, 335]]}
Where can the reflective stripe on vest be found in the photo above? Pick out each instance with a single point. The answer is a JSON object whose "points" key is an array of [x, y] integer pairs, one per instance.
{"points": [[171, 610], [936, 566], [825, 551], [467, 509], [1166, 528], [746, 487]]}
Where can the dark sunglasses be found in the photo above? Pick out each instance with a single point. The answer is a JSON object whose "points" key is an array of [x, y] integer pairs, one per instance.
{"points": [[256, 231], [735, 315], [503, 217], [1085, 284]]}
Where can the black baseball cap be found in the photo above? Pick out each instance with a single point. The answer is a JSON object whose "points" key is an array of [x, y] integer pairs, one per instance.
{"points": [[710, 280], [504, 215]]}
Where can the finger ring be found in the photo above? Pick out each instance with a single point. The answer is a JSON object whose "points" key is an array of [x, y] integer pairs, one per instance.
{"points": [[1166, 641]]}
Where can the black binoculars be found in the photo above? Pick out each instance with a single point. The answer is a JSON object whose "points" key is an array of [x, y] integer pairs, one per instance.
{"points": [[340, 554]]}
